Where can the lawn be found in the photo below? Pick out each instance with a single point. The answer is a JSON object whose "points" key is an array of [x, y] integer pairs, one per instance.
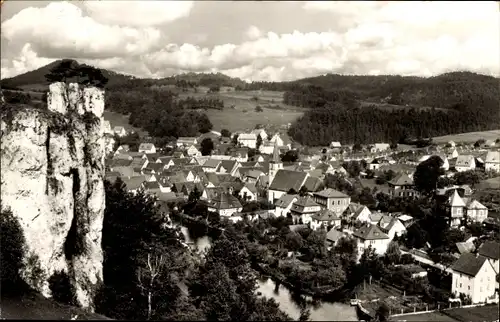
{"points": [[486, 313], [431, 317], [469, 137]]}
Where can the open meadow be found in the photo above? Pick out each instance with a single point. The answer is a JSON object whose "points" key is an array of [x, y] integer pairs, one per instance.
{"points": [[469, 137], [239, 109]]}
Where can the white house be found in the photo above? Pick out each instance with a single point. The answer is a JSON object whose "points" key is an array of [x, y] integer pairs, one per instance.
{"points": [[476, 212], [452, 153], [335, 145], [455, 207], [260, 132], [147, 148], [266, 147], [324, 219], [186, 141], [120, 131], [248, 192], [491, 250], [380, 147], [284, 181], [465, 163], [303, 209], [492, 161], [333, 200], [276, 139], [248, 140], [224, 204], [473, 275], [371, 236], [284, 204], [192, 151], [391, 226]]}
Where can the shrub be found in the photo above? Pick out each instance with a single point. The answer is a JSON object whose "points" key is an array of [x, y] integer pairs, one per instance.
{"points": [[33, 272], [62, 289], [258, 108], [12, 248]]}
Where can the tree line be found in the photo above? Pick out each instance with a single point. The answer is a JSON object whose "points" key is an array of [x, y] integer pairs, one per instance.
{"points": [[321, 126]]}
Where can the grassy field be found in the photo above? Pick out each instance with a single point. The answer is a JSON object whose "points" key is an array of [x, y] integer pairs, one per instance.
{"points": [[469, 137], [239, 110], [36, 307], [487, 313]]}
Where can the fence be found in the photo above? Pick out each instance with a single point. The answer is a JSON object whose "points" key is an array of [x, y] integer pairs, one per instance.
{"points": [[430, 308]]}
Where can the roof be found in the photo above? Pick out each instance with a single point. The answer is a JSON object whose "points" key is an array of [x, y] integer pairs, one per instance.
{"points": [[325, 215], [157, 167], [306, 201], [335, 144], [228, 164], [405, 217], [251, 187], [247, 136], [376, 216], [134, 183], [146, 146], [464, 160], [334, 235], [370, 232], [455, 200], [313, 183], [186, 139], [151, 185], [120, 163], [331, 193], [469, 264], [285, 201], [286, 180], [492, 157], [401, 180], [474, 204], [465, 247], [490, 249], [224, 201], [167, 196]]}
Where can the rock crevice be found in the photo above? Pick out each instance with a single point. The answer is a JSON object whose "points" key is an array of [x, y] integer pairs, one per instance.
{"points": [[60, 206]]}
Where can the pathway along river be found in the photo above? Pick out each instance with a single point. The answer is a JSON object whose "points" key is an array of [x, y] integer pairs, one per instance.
{"points": [[320, 311]]}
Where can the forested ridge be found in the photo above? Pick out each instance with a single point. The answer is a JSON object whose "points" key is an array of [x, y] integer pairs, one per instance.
{"points": [[341, 107]]}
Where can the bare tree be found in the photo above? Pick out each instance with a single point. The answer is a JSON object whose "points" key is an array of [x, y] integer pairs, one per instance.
{"points": [[146, 276]]}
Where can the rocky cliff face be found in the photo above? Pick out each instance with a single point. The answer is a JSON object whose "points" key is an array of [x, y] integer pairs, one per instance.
{"points": [[52, 169]]}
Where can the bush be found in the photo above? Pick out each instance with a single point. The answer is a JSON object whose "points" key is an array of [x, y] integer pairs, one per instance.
{"points": [[62, 289], [258, 108], [12, 248]]}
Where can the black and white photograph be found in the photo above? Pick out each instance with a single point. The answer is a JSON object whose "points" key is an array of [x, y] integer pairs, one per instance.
{"points": [[250, 160]]}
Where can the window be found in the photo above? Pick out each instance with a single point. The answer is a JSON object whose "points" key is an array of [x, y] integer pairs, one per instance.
{"points": [[468, 287], [460, 285], [481, 289]]}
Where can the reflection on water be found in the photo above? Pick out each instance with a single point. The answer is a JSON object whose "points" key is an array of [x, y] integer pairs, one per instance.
{"points": [[288, 301], [320, 311]]}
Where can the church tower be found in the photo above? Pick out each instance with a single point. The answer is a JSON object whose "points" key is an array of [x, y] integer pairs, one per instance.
{"points": [[275, 163]]}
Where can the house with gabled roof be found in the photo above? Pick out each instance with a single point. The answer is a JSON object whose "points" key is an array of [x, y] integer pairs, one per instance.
{"points": [[380, 147], [358, 212], [120, 131], [248, 192], [392, 226], [455, 207], [186, 141], [452, 153], [224, 204], [147, 148], [260, 132], [475, 211], [492, 161], [313, 184], [333, 200], [284, 204], [151, 187], [284, 181], [228, 167], [124, 148], [211, 165], [325, 219], [465, 163], [248, 139], [303, 209], [474, 276], [193, 151], [491, 250], [333, 236], [134, 184], [402, 186], [372, 236]]}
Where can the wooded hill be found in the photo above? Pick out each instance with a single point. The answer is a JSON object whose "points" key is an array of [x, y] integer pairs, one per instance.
{"points": [[341, 107]]}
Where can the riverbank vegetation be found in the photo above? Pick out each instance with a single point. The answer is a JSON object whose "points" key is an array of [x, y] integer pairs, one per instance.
{"points": [[146, 264]]}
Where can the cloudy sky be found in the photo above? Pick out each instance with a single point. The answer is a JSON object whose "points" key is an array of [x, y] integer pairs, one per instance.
{"points": [[253, 40]]}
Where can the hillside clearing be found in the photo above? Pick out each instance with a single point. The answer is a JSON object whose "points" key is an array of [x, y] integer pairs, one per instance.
{"points": [[117, 119], [469, 137]]}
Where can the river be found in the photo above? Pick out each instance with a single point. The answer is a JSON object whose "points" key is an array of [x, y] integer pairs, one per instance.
{"points": [[320, 311]]}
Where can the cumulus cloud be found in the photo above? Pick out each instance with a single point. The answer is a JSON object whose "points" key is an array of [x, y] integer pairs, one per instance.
{"points": [[138, 13], [407, 38]]}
